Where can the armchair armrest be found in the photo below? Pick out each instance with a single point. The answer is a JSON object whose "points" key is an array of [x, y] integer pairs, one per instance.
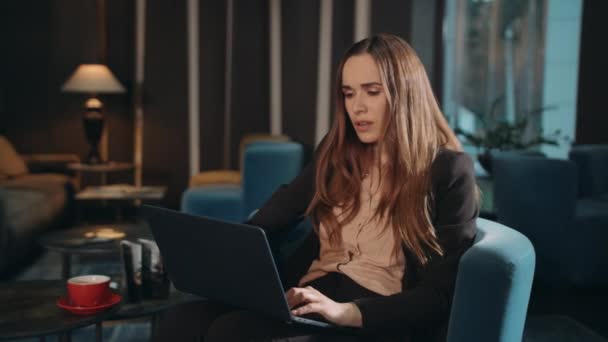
{"points": [[50, 162]]}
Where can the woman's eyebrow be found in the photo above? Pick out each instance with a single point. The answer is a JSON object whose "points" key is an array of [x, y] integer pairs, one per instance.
{"points": [[363, 85], [370, 84]]}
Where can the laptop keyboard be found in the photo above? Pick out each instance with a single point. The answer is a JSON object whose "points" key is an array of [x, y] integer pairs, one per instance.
{"points": [[311, 322]]}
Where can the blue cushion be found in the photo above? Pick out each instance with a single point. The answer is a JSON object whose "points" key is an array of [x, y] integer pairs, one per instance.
{"points": [[224, 202], [586, 208]]}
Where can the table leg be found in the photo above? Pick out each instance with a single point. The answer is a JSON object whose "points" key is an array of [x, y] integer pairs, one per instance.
{"points": [[65, 336], [154, 324], [66, 265], [98, 332], [78, 180], [118, 214]]}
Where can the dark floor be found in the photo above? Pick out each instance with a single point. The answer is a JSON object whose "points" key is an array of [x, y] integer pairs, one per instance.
{"points": [[568, 314], [556, 328]]}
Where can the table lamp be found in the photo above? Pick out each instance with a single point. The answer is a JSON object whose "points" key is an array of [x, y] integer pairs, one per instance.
{"points": [[93, 79]]}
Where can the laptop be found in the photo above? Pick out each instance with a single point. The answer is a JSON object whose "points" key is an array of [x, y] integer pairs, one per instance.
{"points": [[223, 261]]}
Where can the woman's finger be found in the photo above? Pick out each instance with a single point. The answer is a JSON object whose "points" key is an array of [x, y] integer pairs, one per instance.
{"points": [[305, 297], [294, 296], [312, 289], [314, 307], [301, 295], [289, 296]]}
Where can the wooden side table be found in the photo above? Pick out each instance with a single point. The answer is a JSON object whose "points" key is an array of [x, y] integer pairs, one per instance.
{"points": [[102, 169], [121, 193], [114, 192]]}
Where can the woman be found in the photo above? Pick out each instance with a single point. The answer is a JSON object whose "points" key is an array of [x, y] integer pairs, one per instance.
{"points": [[393, 203]]}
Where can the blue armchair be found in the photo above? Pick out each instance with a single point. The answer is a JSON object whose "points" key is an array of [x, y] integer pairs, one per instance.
{"points": [[538, 196], [266, 166], [493, 286]]}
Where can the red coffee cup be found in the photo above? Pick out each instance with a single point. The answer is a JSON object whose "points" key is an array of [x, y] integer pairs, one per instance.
{"points": [[89, 290]]}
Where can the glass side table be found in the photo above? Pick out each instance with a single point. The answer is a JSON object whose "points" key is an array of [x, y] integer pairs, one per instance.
{"points": [[29, 309]]}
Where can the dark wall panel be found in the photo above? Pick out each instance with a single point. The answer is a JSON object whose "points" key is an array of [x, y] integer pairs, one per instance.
{"points": [[392, 16], [437, 81], [166, 99], [250, 87], [591, 120], [44, 43], [120, 57], [342, 32], [25, 59], [212, 44], [299, 40], [73, 40]]}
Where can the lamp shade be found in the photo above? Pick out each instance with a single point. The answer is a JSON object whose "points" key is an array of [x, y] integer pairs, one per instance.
{"points": [[92, 78]]}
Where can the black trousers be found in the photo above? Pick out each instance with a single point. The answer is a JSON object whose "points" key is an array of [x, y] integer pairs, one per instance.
{"points": [[210, 321]]}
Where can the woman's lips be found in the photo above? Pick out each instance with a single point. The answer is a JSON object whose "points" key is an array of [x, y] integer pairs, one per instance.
{"points": [[363, 126]]}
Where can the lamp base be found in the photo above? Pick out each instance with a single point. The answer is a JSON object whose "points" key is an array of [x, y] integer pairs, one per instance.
{"points": [[93, 158], [93, 127]]}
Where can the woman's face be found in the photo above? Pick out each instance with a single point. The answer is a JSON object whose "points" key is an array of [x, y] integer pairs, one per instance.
{"points": [[364, 97]]}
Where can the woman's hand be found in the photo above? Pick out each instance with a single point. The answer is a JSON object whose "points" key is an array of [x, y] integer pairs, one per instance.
{"points": [[313, 301]]}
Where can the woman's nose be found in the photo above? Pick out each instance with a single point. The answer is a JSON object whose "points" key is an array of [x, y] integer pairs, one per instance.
{"points": [[358, 104]]}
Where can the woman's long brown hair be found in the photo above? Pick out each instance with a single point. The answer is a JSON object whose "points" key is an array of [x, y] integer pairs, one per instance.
{"points": [[415, 130]]}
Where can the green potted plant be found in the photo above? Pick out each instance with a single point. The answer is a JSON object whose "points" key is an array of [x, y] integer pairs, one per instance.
{"points": [[506, 136]]}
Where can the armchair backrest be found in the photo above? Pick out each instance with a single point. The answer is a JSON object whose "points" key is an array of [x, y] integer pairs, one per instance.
{"points": [[537, 197], [493, 286], [255, 138], [267, 165], [11, 163], [592, 163], [518, 153]]}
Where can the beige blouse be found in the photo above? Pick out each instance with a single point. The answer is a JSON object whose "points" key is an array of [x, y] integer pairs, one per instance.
{"points": [[366, 253]]}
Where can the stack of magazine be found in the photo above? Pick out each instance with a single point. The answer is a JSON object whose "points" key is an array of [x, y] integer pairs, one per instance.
{"points": [[121, 191], [144, 273]]}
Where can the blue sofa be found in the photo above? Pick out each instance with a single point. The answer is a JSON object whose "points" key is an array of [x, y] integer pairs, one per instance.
{"points": [[36, 195]]}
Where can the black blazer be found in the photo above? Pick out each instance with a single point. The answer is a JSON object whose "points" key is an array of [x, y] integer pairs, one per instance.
{"points": [[425, 302]]}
